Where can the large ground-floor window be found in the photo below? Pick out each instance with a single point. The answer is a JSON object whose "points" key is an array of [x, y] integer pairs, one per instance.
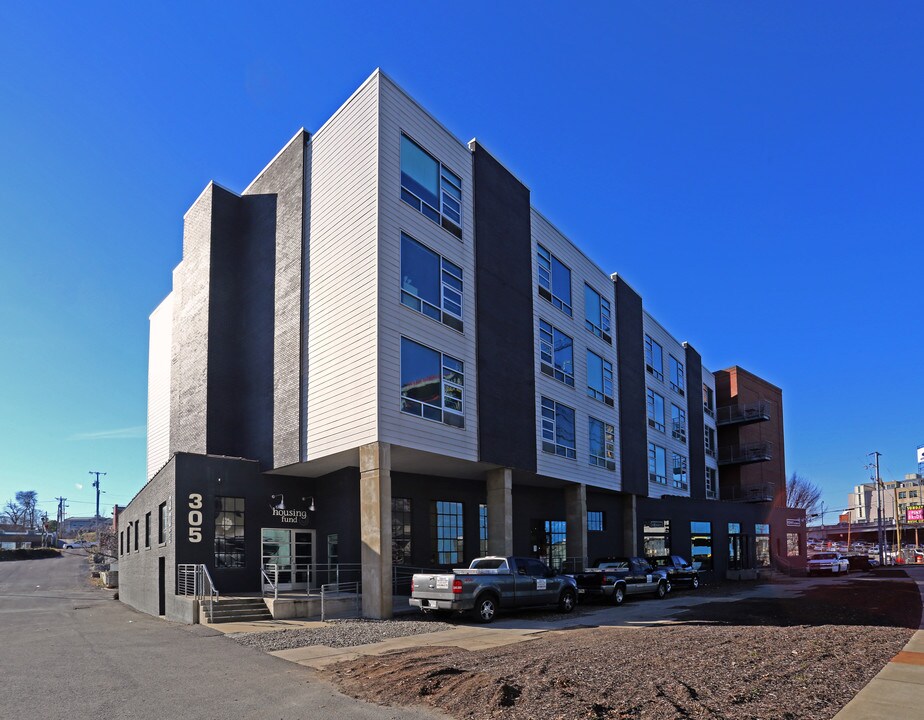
{"points": [[701, 544], [229, 532], [400, 531], [657, 538], [483, 530], [762, 544], [446, 532]]}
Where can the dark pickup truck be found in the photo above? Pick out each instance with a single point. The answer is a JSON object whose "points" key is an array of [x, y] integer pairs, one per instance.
{"points": [[615, 578]]}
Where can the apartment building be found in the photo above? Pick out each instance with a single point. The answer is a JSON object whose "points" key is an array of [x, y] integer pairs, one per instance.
{"points": [[380, 355], [895, 495]]}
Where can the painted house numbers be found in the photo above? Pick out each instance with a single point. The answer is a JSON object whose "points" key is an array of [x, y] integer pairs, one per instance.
{"points": [[195, 517]]}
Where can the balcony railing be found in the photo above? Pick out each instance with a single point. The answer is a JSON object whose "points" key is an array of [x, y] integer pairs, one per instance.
{"points": [[746, 453], [765, 492], [743, 414]]}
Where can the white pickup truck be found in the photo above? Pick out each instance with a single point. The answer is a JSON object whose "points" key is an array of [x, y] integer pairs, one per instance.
{"points": [[490, 583]]}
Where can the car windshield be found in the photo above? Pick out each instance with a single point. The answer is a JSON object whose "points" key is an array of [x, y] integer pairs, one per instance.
{"points": [[613, 565], [823, 556], [659, 561], [489, 564]]}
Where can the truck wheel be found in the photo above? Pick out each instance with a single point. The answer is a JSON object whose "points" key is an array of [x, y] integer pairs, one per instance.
{"points": [[662, 590], [485, 608], [695, 582], [619, 595], [567, 601]]}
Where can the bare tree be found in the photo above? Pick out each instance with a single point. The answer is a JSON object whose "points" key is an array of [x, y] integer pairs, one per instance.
{"points": [[803, 494], [28, 499], [13, 512]]}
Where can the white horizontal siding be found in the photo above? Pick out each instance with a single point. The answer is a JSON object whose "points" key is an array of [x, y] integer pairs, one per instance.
{"points": [[583, 270], [399, 113], [341, 277], [159, 362]]}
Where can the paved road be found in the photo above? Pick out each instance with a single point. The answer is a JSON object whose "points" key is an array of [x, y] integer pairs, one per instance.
{"points": [[68, 650]]}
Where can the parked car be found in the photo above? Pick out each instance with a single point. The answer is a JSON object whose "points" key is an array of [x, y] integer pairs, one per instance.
{"points": [[491, 583], [861, 562], [615, 578], [679, 571], [827, 562], [70, 544]]}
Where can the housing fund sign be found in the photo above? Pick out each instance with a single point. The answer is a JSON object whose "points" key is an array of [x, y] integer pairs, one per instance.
{"points": [[286, 515]]}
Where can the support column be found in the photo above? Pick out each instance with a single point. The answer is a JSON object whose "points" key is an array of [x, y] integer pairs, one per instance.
{"points": [[576, 522], [630, 525], [500, 511], [375, 528]]}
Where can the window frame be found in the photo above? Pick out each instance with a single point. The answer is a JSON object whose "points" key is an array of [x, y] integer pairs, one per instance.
{"points": [[445, 383], [678, 423], [550, 425], [684, 482], [483, 529], [448, 271], [709, 440], [607, 461], [445, 184], [548, 335], [676, 369], [652, 410], [653, 475], [402, 508], [601, 326], [147, 530], [708, 400], [606, 380], [712, 483], [596, 521], [545, 274], [650, 344], [231, 559], [441, 509]]}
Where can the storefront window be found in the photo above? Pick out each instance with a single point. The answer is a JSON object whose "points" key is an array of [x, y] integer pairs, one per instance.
{"points": [[483, 529], [701, 544], [657, 538], [792, 544], [400, 531], [446, 531], [229, 532]]}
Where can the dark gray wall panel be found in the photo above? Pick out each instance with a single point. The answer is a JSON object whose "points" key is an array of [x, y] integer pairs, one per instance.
{"points": [[695, 423], [633, 426], [503, 284]]}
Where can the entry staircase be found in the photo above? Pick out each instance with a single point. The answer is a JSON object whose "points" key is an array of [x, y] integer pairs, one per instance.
{"points": [[236, 609]]}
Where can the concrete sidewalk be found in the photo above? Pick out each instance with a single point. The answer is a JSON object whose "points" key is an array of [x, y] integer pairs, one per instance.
{"points": [[899, 687]]}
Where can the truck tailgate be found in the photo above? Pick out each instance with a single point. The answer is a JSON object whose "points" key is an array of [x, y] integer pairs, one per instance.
{"points": [[432, 587]]}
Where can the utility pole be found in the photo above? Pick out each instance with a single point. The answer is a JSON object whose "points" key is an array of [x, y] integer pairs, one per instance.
{"points": [[881, 532], [60, 529], [96, 485]]}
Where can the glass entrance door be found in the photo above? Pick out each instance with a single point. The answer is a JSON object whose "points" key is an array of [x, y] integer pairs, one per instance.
{"points": [[289, 556]]}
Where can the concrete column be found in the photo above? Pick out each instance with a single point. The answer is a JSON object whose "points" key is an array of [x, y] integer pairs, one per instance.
{"points": [[375, 528], [630, 525], [500, 511], [576, 521]]}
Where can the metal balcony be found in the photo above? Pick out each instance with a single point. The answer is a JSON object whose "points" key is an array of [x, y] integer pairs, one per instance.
{"points": [[764, 492], [745, 454], [743, 414]]}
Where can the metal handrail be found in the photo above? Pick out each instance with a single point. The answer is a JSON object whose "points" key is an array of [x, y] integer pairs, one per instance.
{"points": [[743, 412], [212, 590], [272, 583], [351, 589], [194, 581], [746, 452]]}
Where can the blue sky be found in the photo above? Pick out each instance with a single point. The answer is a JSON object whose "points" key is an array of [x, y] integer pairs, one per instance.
{"points": [[753, 170]]}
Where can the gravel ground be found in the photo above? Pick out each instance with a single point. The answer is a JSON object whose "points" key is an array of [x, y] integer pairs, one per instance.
{"points": [[797, 658], [340, 633]]}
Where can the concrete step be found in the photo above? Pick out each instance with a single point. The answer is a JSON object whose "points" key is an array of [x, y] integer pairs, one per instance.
{"points": [[236, 610], [240, 617]]}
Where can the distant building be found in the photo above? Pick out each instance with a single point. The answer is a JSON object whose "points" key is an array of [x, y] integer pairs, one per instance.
{"points": [[73, 525], [920, 459], [901, 494]]}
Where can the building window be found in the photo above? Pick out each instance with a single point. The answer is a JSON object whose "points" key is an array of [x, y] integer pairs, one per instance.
{"points": [[761, 529], [708, 401], [333, 549], [446, 532], [913, 493], [680, 472], [558, 429], [701, 545], [121, 540], [430, 284], [431, 384], [595, 521], [483, 530], [712, 485], [657, 464], [762, 544], [654, 358], [147, 530], [400, 531], [602, 444], [902, 495], [676, 374], [137, 523], [229, 532], [163, 523], [678, 423], [657, 538], [655, 410], [709, 435], [554, 280], [430, 187], [600, 378], [555, 543], [792, 544], [597, 314], [556, 353]]}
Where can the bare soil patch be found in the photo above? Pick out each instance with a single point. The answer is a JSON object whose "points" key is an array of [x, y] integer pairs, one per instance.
{"points": [[802, 657]]}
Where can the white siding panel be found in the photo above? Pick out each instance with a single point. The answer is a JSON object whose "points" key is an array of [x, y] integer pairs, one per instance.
{"points": [[399, 113], [341, 277], [159, 361], [583, 270]]}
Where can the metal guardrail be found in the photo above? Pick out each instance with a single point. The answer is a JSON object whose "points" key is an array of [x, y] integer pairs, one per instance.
{"points": [[341, 591], [765, 492], [273, 582], [745, 453], [743, 413], [194, 580]]}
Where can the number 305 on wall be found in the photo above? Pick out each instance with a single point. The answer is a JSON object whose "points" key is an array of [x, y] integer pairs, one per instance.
{"points": [[195, 517]]}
